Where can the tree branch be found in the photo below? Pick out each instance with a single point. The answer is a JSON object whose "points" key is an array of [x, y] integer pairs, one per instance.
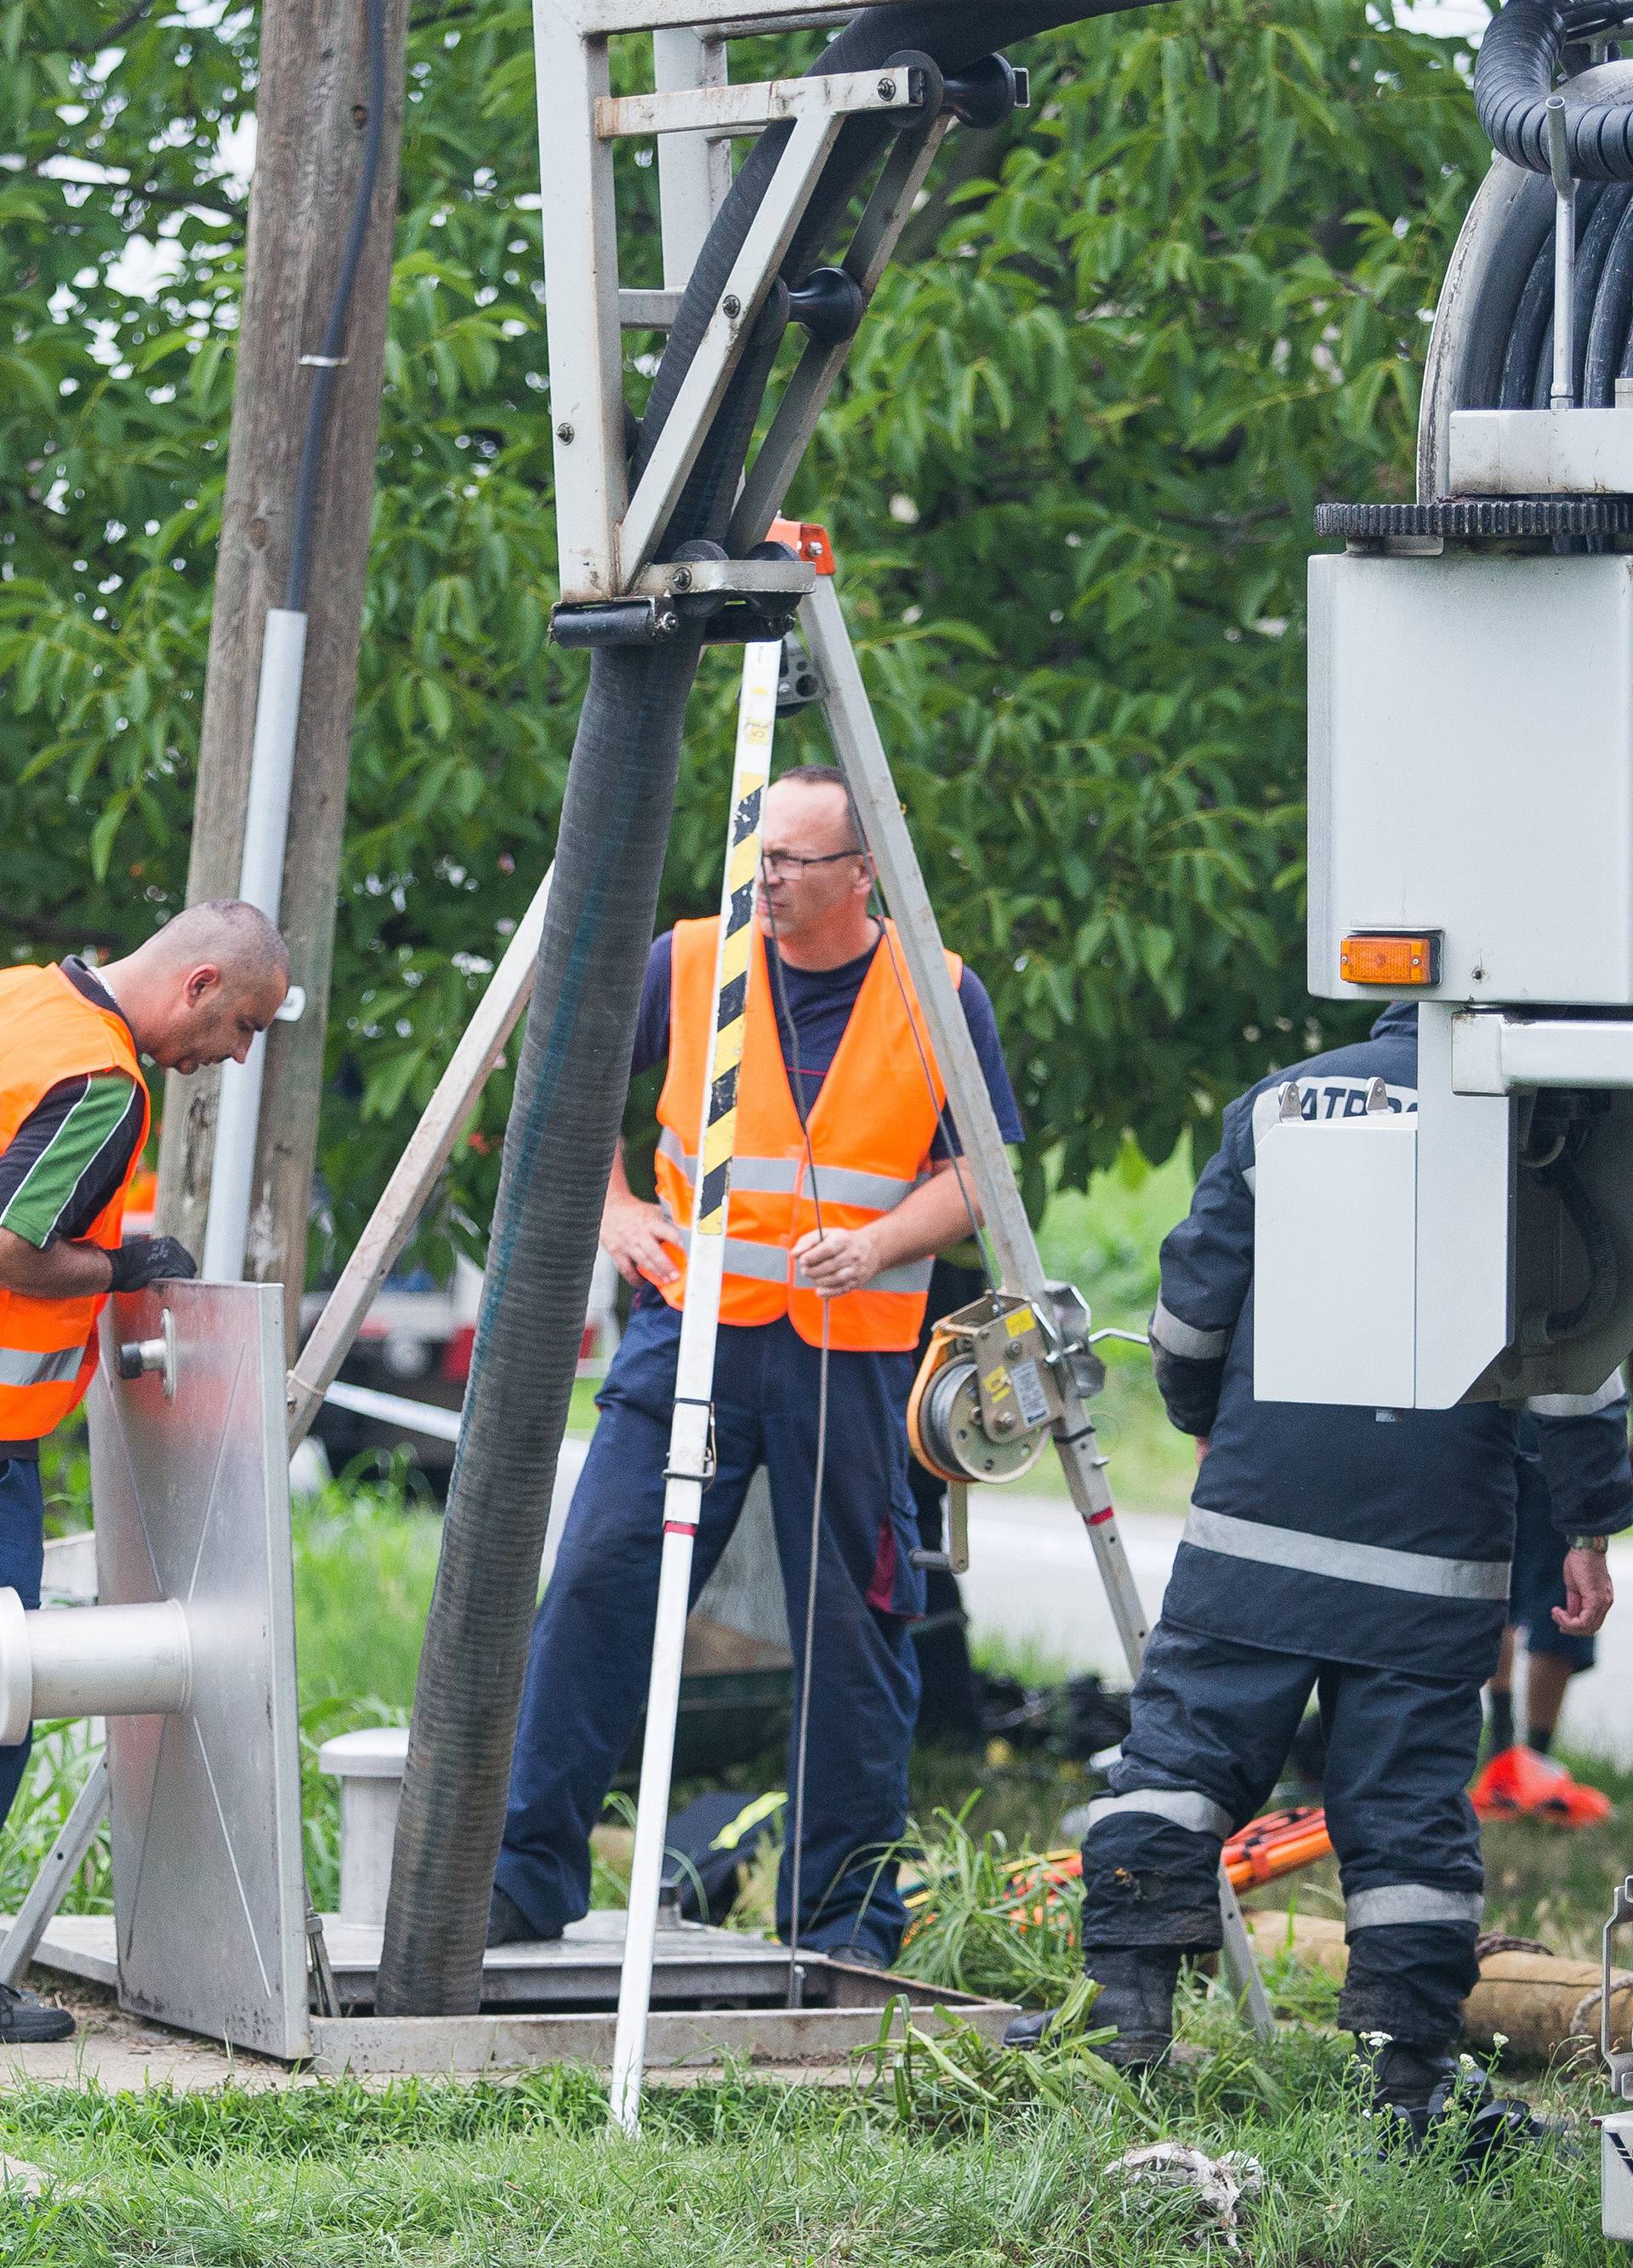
{"points": [[115, 32], [41, 929]]}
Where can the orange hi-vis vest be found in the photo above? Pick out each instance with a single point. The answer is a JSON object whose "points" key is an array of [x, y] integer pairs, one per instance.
{"points": [[871, 1134], [50, 1032]]}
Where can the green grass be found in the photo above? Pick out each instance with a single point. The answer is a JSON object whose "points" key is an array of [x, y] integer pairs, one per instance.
{"points": [[961, 2162]]}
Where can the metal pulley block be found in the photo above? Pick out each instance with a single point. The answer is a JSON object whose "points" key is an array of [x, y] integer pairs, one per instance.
{"points": [[986, 1396]]}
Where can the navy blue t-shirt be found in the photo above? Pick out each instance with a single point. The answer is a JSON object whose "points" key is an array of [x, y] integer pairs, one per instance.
{"points": [[820, 1001]]}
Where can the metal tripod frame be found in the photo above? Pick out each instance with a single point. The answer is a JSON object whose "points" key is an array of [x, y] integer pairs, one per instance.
{"points": [[861, 753], [608, 541], [610, 531]]}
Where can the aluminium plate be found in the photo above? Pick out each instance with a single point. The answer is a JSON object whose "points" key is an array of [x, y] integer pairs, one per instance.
{"points": [[675, 2039], [694, 1965], [192, 1503]]}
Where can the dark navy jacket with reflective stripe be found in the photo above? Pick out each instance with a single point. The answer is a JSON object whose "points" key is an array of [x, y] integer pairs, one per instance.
{"points": [[1324, 1531]]}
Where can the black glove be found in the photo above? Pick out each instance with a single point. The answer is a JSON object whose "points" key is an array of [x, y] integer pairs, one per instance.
{"points": [[141, 1260]]}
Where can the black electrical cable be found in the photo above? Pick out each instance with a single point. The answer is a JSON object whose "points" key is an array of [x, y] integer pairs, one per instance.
{"points": [[1563, 1324], [330, 355]]}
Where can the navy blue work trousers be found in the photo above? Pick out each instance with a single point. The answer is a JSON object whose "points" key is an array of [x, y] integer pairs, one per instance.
{"points": [[1212, 1724], [22, 1558], [591, 1646]]}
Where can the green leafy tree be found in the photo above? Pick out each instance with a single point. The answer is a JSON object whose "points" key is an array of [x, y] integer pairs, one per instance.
{"points": [[1070, 472]]}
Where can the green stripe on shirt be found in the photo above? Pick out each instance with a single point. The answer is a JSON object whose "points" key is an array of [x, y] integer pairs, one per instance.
{"points": [[73, 1158]]}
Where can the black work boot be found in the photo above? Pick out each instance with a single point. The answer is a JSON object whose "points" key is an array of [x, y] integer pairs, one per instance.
{"points": [[1136, 1994], [24, 2021], [508, 1925], [1413, 2088], [1404, 2084]]}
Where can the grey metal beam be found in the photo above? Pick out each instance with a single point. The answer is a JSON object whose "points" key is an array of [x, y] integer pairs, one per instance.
{"points": [[769, 235], [750, 107], [417, 1171], [806, 395], [50, 1885]]}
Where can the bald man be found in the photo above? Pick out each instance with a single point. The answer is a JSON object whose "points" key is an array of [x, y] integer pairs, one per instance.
{"points": [[73, 1117]]}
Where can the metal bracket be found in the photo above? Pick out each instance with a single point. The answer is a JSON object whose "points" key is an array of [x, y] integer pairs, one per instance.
{"points": [[612, 533], [1618, 2061], [710, 1463], [750, 107]]}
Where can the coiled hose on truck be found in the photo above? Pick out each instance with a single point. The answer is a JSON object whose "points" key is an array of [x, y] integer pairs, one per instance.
{"points": [[571, 1076]]}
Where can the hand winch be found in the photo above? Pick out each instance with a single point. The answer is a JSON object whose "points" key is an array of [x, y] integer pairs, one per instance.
{"points": [[988, 1395]]}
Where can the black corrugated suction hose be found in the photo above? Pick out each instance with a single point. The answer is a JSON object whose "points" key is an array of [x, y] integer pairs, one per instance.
{"points": [[570, 1082], [1514, 77], [1509, 341]]}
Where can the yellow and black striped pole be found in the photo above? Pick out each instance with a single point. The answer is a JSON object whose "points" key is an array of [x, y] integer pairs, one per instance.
{"points": [[689, 1455]]}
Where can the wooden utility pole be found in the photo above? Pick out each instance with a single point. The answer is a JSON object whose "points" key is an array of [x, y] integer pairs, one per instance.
{"points": [[312, 111]]}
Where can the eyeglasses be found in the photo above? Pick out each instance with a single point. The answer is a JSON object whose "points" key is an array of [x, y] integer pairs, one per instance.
{"points": [[788, 862]]}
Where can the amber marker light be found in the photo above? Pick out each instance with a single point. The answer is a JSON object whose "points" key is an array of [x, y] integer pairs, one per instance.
{"points": [[1376, 957]]}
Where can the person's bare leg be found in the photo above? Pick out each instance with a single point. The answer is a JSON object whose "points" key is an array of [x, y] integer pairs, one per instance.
{"points": [[1547, 1677]]}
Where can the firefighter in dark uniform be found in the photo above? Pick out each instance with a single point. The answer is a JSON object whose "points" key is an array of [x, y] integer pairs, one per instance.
{"points": [[1329, 1552]]}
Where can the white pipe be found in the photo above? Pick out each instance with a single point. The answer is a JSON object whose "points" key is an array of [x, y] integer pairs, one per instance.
{"points": [[1562, 393], [91, 1661], [261, 880], [427, 1418], [689, 1429]]}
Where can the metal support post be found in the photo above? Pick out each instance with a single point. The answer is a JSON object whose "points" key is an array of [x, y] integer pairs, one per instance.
{"points": [[861, 751], [694, 170], [429, 1149], [691, 1457], [1562, 395], [50, 1885], [260, 881]]}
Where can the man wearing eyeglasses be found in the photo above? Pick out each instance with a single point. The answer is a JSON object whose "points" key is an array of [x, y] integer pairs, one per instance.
{"points": [[847, 1181]]}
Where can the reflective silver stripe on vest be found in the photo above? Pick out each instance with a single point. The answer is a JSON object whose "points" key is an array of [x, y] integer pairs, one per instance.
{"points": [[784, 1177], [846, 1185], [1184, 1339], [1181, 1807], [1411, 1901], [765, 1177], [1577, 1405], [671, 1146], [912, 1276], [1420, 1572], [30, 1367], [769, 1264]]}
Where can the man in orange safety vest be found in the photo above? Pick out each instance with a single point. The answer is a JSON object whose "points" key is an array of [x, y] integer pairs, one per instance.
{"points": [[844, 1186], [74, 1118]]}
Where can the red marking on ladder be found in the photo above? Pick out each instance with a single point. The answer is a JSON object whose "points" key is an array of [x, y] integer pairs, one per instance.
{"points": [[1099, 1519]]}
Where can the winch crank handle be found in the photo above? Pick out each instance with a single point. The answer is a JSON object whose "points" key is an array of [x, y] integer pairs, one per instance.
{"points": [[1109, 1331], [955, 1559]]}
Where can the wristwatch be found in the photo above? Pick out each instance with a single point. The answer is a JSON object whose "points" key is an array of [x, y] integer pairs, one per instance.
{"points": [[1600, 1544]]}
